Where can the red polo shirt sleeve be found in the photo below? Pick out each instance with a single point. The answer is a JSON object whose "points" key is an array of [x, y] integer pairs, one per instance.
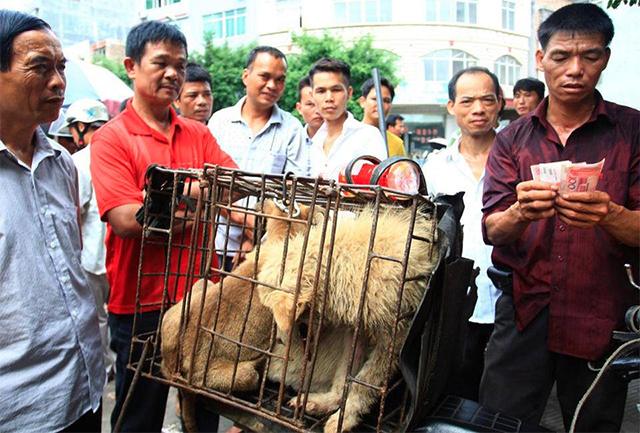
{"points": [[113, 172]]}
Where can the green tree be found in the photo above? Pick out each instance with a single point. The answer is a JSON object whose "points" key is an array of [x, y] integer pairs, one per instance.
{"points": [[226, 64], [116, 67], [615, 3]]}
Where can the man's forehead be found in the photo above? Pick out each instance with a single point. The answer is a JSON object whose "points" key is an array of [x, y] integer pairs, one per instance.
{"points": [[37, 43], [268, 61], [474, 85], [384, 89], [155, 49], [562, 40], [328, 79]]}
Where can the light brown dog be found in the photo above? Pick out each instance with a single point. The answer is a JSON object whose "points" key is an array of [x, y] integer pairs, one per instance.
{"points": [[227, 301], [343, 298]]}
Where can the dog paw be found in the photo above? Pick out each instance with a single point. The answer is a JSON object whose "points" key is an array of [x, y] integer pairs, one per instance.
{"points": [[319, 404], [348, 423]]}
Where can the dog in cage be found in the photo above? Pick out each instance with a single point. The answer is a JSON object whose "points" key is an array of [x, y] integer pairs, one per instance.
{"points": [[382, 305], [216, 362]]}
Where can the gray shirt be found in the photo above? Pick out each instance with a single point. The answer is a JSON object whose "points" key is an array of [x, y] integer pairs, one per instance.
{"points": [[279, 147], [51, 367]]}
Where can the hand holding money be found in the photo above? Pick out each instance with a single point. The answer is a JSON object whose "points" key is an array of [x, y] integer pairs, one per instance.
{"points": [[536, 200], [568, 176], [578, 203]]}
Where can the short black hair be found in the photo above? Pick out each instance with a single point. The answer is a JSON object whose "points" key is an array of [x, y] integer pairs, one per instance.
{"points": [[304, 82], [251, 57], [12, 24], [368, 85], [327, 64], [392, 119], [530, 85], [577, 19], [194, 73], [151, 32], [472, 70]]}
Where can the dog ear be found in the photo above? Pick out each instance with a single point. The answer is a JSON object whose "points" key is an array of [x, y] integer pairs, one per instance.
{"points": [[281, 305]]}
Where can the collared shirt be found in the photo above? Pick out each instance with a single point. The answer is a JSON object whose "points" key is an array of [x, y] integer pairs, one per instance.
{"points": [[94, 250], [447, 172], [356, 139], [578, 273], [121, 151], [278, 148], [51, 367]]}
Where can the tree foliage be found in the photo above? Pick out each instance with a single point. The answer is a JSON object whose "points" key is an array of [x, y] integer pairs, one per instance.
{"points": [[116, 67], [226, 64], [615, 3]]}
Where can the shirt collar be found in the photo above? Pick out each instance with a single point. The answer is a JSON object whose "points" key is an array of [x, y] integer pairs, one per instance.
{"points": [[452, 153], [601, 110], [137, 126], [349, 123], [42, 148], [276, 113]]}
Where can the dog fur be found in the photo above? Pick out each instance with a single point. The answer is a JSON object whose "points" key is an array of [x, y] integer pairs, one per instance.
{"points": [[228, 300], [343, 298]]}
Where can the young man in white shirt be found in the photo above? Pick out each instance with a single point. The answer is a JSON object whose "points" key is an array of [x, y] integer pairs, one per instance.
{"points": [[341, 138], [475, 102]]}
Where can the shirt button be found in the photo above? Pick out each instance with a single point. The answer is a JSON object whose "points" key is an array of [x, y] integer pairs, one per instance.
{"points": [[556, 288], [560, 258], [562, 227], [52, 245], [64, 279], [43, 211], [74, 313]]}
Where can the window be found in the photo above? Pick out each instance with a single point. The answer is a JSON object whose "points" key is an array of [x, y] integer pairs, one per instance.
{"points": [[362, 11], [441, 65], [508, 70], [543, 15], [449, 11], [159, 3], [508, 15], [226, 24]]}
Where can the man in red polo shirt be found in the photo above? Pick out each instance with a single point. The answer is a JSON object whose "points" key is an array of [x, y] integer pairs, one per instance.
{"points": [[566, 248], [147, 132]]}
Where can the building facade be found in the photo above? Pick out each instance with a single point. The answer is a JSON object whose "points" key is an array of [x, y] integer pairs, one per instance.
{"points": [[432, 39]]}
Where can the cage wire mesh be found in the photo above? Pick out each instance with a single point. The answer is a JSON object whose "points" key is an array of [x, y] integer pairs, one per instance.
{"points": [[304, 334]]}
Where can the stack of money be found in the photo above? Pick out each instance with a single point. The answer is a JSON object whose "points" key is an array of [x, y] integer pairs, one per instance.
{"points": [[568, 176]]}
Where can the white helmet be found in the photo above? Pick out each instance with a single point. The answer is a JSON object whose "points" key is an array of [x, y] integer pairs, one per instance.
{"points": [[85, 111]]}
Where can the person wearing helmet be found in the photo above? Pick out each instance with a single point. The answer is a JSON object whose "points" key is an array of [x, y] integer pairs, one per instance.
{"points": [[83, 118]]}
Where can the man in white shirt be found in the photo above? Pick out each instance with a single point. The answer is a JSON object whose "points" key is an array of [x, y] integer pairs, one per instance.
{"points": [[341, 138], [258, 135], [83, 118], [475, 102]]}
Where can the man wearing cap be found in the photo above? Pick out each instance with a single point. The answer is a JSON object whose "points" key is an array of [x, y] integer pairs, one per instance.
{"points": [[82, 119], [51, 369]]}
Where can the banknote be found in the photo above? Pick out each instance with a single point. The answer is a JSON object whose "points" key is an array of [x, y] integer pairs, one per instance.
{"points": [[581, 177], [569, 176]]}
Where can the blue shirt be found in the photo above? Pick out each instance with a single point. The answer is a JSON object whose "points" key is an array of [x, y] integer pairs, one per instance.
{"points": [[279, 147], [51, 366]]}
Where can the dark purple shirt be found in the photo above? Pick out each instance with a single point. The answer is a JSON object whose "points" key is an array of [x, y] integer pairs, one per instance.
{"points": [[579, 273]]}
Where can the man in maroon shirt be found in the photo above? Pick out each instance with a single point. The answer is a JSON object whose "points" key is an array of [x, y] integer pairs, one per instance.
{"points": [[566, 250]]}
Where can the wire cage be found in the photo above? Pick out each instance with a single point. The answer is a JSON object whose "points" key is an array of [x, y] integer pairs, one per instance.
{"points": [[305, 333]]}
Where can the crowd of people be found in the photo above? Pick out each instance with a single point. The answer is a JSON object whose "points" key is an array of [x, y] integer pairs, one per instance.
{"points": [[70, 241]]}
